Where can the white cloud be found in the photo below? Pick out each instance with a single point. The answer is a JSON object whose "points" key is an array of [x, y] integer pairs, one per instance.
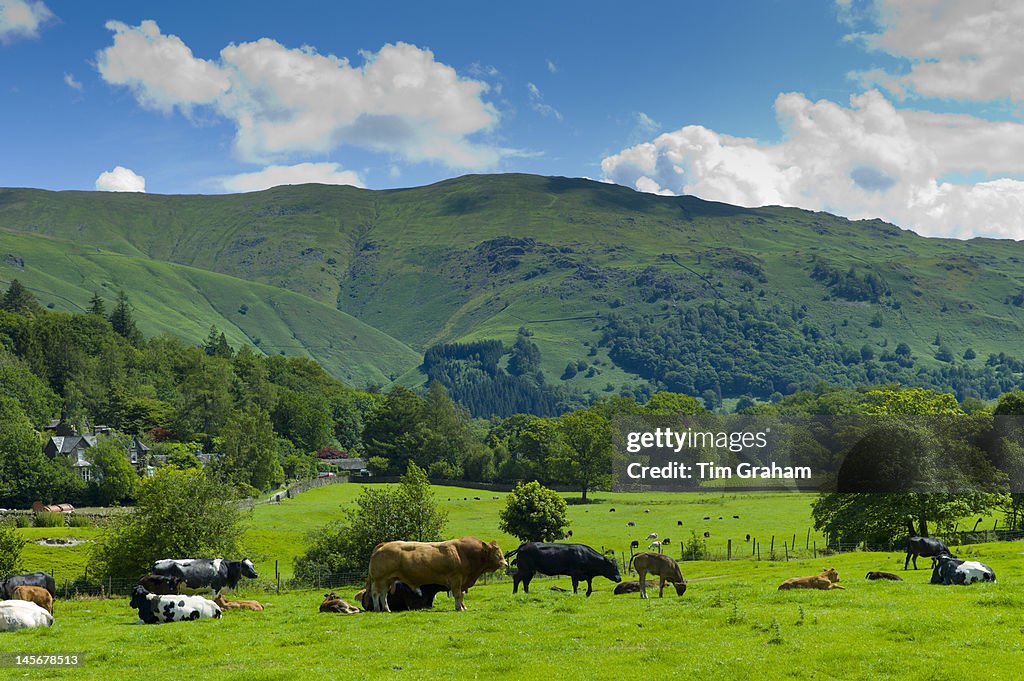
{"points": [[552, 67], [22, 18], [957, 49], [120, 179], [645, 124], [72, 82], [302, 173], [538, 104], [292, 101], [862, 161]]}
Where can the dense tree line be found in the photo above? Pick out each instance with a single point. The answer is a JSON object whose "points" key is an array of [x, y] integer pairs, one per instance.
{"points": [[757, 350]]}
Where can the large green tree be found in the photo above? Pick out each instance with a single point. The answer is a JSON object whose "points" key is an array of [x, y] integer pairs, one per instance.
{"points": [[534, 513], [585, 462], [114, 478], [249, 452]]}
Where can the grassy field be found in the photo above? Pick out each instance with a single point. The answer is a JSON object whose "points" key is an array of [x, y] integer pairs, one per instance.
{"points": [[731, 623]]}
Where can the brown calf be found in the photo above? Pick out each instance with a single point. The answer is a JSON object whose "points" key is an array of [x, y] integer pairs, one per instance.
{"points": [[658, 565], [225, 604], [334, 604], [825, 581], [34, 594]]}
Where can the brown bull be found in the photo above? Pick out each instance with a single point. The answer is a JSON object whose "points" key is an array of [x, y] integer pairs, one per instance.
{"points": [[826, 580], [34, 594], [455, 564], [658, 565]]}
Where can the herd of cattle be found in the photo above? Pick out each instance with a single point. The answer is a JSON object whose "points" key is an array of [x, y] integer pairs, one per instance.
{"points": [[406, 575]]}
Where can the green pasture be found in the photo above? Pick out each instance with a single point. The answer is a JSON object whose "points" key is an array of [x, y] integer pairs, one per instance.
{"points": [[279, 531], [731, 623]]}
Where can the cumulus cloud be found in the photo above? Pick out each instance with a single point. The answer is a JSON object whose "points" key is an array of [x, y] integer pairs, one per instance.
{"points": [[538, 104], [120, 179], [286, 101], [957, 49], [865, 160], [302, 173], [22, 18], [552, 67]]}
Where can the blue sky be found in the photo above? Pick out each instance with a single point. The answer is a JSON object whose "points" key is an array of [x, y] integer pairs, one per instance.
{"points": [[903, 110]]}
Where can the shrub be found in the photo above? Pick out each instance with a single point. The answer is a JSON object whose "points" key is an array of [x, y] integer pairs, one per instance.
{"points": [[48, 519], [386, 513], [11, 544], [534, 513], [75, 520], [178, 513]]}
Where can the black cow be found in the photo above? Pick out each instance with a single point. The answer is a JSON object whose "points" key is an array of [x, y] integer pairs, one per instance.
{"points": [[161, 585], [198, 573], [875, 575], [955, 571], [924, 546], [578, 561], [40, 579], [402, 597]]}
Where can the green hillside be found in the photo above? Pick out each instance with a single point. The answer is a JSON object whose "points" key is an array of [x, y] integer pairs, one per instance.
{"points": [[636, 290], [186, 301]]}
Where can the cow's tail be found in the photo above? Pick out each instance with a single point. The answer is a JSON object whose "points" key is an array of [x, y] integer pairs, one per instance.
{"points": [[512, 553], [629, 568]]}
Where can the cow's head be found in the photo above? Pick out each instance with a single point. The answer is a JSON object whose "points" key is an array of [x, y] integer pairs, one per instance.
{"points": [[493, 557], [831, 574], [680, 587], [248, 569], [610, 569]]}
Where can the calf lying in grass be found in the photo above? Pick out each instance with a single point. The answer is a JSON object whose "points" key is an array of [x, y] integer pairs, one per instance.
{"points": [[225, 604], [825, 581]]}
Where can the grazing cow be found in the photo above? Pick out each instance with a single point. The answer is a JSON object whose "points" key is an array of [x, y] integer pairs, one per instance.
{"points": [[647, 510], [578, 561], [631, 524], [334, 604], [654, 545], [954, 571], [199, 573], [659, 565], [883, 575], [926, 547], [162, 585], [611, 510], [225, 604], [825, 581], [666, 541], [34, 594], [455, 564], [679, 523], [652, 535], [156, 609], [402, 598], [707, 535], [42, 579], [635, 544], [18, 614], [568, 534]]}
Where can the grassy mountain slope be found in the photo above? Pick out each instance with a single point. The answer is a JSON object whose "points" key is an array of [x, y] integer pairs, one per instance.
{"points": [[186, 301], [479, 256]]}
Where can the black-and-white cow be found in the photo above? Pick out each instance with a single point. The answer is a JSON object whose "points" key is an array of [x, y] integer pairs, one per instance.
{"points": [[41, 579], [198, 573], [15, 615], [955, 571], [156, 609]]}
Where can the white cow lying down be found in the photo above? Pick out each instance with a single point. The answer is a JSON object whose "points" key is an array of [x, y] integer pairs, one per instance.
{"points": [[154, 609], [16, 615]]}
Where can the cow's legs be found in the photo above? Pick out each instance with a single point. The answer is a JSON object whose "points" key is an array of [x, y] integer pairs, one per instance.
{"points": [[575, 585], [643, 584], [661, 588], [590, 586], [526, 582], [379, 594], [515, 583], [459, 596]]}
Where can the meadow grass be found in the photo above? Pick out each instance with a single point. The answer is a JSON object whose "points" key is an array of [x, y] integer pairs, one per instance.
{"points": [[731, 623]]}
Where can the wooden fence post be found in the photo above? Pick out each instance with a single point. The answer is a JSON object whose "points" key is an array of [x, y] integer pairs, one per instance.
{"points": [[786, 547], [815, 549], [807, 544], [277, 575], [758, 547], [771, 550], [728, 555]]}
